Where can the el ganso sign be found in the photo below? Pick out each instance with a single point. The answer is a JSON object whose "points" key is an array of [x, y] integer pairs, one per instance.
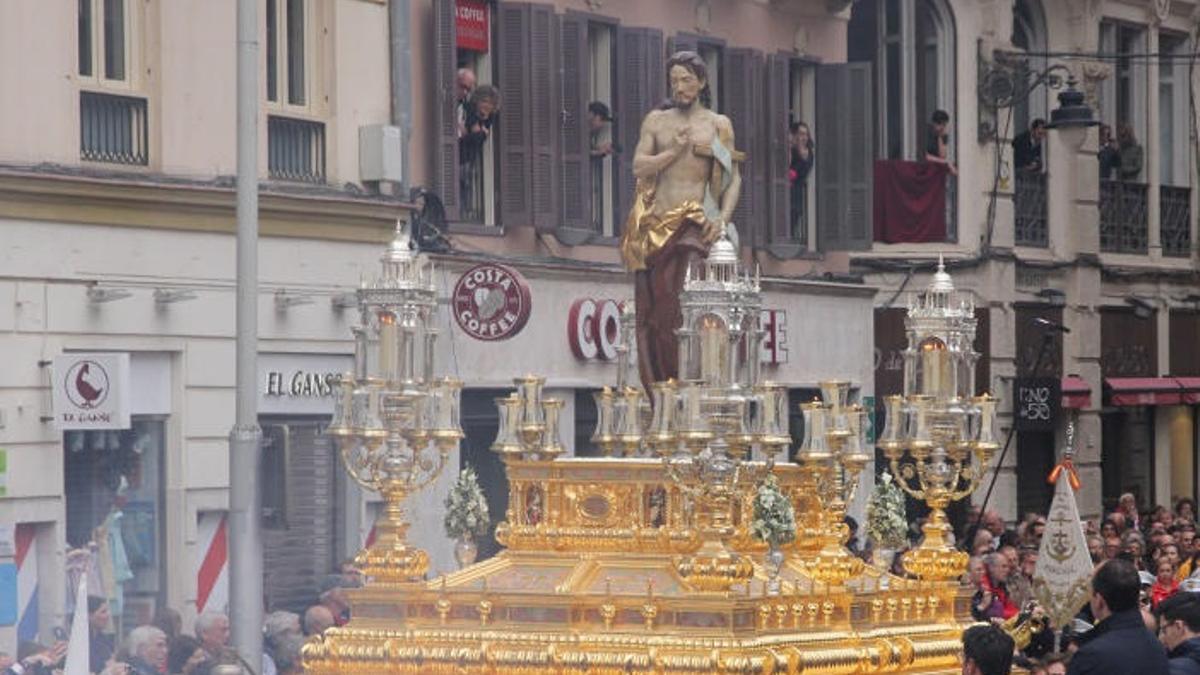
{"points": [[91, 391]]}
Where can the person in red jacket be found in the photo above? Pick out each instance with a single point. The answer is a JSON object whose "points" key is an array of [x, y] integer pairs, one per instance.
{"points": [[992, 600], [1165, 584]]}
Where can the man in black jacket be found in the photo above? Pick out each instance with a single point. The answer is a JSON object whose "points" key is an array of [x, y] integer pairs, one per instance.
{"points": [[1179, 630], [1027, 147], [1119, 643]]}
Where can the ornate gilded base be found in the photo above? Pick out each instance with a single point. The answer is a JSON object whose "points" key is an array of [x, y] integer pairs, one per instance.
{"points": [[715, 569], [591, 584], [391, 565], [831, 566]]}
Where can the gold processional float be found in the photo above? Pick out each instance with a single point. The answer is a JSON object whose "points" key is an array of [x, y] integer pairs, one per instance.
{"points": [[643, 561]]}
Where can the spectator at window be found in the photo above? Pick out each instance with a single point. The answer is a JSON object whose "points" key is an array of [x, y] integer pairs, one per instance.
{"points": [[464, 83], [480, 112], [1131, 153], [937, 144], [800, 164], [1027, 147], [1109, 154], [600, 146]]}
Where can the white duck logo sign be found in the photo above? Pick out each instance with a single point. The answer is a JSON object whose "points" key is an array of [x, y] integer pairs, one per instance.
{"points": [[86, 384]]}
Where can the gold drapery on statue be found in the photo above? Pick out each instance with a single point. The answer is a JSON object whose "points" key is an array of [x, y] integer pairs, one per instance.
{"points": [[647, 233]]}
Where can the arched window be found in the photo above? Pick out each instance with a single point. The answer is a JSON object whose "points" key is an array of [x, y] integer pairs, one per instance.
{"points": [[1029, 36], [911, 45]]}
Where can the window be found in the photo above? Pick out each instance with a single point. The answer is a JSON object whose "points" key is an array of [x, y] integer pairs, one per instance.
{"points": [[1123, 96], [113, 482], [802, 211], [286, 51], [911, 43], [1173, 109], [103, 41], [1029, 35], [600, 56]]}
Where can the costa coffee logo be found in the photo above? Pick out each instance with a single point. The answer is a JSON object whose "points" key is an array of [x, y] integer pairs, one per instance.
{"points": [[86, 384], [594, 329], [491, 302]]}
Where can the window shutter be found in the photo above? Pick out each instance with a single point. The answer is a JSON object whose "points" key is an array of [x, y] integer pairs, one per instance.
{"points": [[683, 42], [513, 134], [859, 144], [754, 171], [575, 142], [546, 118], [632, 102], [445, 171], [844, 125], [656, 88], [775, 166], [739, 106]]}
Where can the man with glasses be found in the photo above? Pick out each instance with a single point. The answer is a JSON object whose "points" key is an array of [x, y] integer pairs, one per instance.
{"points": [[1179, 630]]}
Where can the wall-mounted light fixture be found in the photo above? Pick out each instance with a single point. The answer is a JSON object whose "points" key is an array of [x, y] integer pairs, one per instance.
{"points": [[1142, 308], [284, 300], [166, 296], [97, 295], [1053, 297]]}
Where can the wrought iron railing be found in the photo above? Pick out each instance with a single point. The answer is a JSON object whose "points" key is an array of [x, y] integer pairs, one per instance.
{"points": [[1029, 210], [1123, 227], [295, 149], [1175, 221], [113, 128]]}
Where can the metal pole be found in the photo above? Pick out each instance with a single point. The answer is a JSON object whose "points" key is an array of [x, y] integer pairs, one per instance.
{"points": [[399, 12], [245, 500]]}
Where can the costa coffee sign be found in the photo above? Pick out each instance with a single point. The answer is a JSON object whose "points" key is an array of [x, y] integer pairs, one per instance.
{"points": [[491, 302], [594, 329], [471, 25], [91, 391]]}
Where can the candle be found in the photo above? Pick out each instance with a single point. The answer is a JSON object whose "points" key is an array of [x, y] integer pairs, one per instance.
{"points": [[387, 345]]}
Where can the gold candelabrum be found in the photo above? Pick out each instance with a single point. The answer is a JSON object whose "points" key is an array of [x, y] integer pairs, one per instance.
{"points": [[938, 438], [395, 423], [529, 427], [832, 456]]}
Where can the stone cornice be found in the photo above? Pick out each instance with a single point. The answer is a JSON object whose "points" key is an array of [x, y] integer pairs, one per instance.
{"points": [[192, 206]]}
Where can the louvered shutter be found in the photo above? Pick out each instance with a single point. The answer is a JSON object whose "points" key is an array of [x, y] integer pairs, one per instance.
{"points": [[831, 102], [859, 147], [757, 155], [575, 141], [546, 117], [775, 166], [513, 134], [683, 42], [740, 106], [656, 75], [844, 121], [445, 103], [632, 102]]}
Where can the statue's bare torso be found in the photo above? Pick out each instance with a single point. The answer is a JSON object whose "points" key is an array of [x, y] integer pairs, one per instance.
{"points": [[685, 177]]}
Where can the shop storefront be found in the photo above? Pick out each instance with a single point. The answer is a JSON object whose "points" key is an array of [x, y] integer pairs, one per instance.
{"points": [[1182, 424], [310, 511], [1039, 353], [114, 419], [1133, 395]]}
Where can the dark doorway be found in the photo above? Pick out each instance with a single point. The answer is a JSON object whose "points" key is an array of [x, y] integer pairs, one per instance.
{"points": [[480, 421]]}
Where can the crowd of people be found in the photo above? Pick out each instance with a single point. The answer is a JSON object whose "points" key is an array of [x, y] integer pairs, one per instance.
{"points": [[1145, 602], [163, 648]]}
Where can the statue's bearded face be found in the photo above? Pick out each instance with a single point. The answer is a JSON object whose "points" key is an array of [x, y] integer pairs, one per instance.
{"points": [[685, 86]]}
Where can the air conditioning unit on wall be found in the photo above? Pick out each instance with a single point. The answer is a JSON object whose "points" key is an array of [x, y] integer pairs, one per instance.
{"points": [[379, 154]]}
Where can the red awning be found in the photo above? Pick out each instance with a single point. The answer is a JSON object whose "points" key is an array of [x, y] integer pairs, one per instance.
{"points": [[1075, 392], [1191, 389], [1144, 391]]}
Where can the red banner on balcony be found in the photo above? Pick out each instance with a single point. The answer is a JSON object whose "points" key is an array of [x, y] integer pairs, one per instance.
{"points": [[471, 24], [910, 202]]}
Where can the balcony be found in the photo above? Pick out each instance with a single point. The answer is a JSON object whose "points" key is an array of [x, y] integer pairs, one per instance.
{"points": [[113, 129], [295, 149], [1123, 226], [1029, 213], [1175, 221]]}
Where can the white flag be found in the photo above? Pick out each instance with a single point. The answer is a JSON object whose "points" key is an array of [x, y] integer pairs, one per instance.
{"points": [[77, 646], [1063, 578]]}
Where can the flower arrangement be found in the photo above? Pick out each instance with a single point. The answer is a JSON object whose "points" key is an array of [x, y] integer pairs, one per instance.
{"points": [[774, 517], [466, 508], [887, 524]]}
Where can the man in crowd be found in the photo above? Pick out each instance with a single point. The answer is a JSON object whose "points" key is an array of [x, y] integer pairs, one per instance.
{"points": [[1027, 147], [317, 619], [1179, 630], [212, 630], [1119, 643], [987, 650], [147, 648], [937, 150]]}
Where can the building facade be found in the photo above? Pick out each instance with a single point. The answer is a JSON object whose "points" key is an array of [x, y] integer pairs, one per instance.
{"points": [[116, 235]]}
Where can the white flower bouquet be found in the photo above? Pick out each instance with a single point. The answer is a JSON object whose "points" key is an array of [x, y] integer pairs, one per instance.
{"points": [[774, 518], [466, 508], [887, 524]]}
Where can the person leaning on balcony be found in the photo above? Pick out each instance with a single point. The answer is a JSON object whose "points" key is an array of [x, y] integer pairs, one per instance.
{"points": [[1027, 147], [937, 144], [1109, 154], [1131, 153]]}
